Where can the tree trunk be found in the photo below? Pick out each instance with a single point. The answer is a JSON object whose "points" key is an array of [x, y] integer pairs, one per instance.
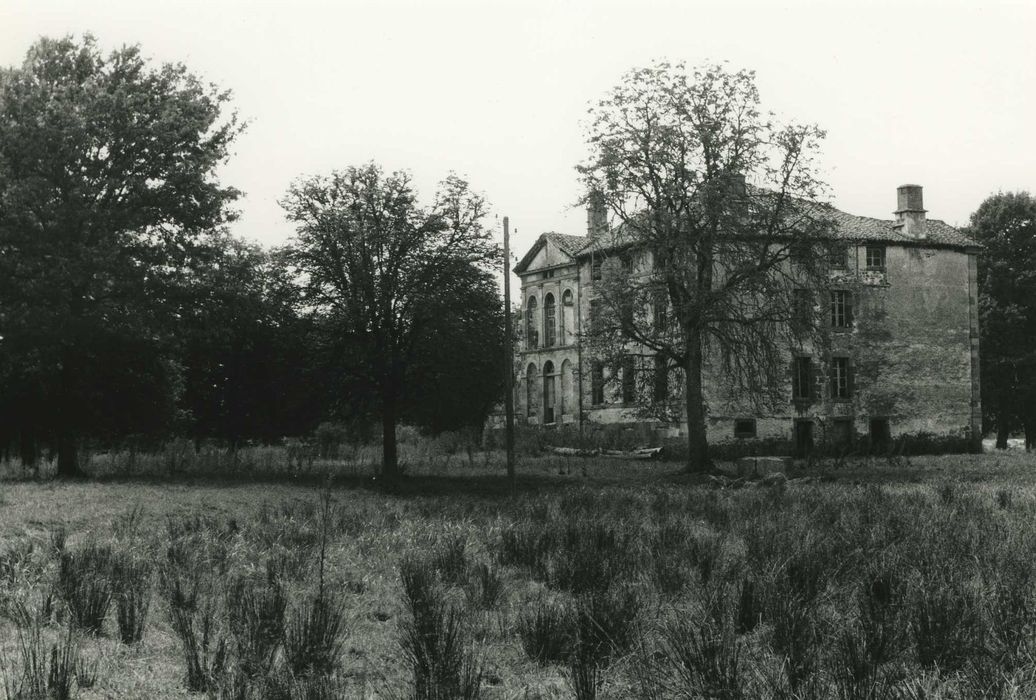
{"points": [[1002, 433], [697, 436], [68, 455]]}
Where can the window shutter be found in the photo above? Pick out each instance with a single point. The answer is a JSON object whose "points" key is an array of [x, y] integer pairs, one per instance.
{"points": [[850, 379], [848, 309]]}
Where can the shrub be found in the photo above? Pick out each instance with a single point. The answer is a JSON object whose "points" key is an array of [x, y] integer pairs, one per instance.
{"points": [[434, 638], [84, 583], [131, 587], [484, 587], [545, 630]]}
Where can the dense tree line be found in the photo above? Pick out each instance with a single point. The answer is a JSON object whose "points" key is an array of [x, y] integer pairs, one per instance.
{"points": [[1005, 225], [128, 311]]}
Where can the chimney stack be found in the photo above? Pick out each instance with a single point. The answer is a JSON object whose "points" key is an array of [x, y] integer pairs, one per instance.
{"points": [[596, 215], [910, 211]]}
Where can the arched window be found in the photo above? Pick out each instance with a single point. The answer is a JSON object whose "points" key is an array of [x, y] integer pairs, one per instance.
{"points": [[532, 338], [532, 384], [549, 393], [550, 320], [567, 317]]}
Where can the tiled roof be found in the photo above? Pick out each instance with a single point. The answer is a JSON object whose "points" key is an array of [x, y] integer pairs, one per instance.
{"points": [[864, 228], [569, 244], [847, 226]]}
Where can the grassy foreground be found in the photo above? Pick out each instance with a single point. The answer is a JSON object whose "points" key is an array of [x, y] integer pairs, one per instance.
{"points": [[609, 580]]}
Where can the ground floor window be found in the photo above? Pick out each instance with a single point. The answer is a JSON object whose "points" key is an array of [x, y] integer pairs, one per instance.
{"points": [[744, 428], [597, 384]]}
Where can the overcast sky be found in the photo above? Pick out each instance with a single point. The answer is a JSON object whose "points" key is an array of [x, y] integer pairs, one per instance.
{"points": [[941, 93]]}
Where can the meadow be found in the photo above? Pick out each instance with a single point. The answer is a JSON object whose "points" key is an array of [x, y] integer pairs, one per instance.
{"points": [[212, 577]]}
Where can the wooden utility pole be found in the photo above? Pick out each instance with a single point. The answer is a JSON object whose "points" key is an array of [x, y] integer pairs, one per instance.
{"points": [[509, 333]]}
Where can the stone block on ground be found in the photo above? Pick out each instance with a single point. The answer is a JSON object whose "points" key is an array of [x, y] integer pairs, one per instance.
{"points": [[757, 467]]}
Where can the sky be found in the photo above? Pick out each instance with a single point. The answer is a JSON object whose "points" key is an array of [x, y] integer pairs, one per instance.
{"points": [[940, 93]]}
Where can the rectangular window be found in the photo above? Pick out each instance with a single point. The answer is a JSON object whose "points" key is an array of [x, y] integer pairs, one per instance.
{"points": [[841, 433], [661, 383], [595, 268], [595, 314], [840, 378], [802, 307], [802, 379], [548, 274], [660, 308], [627, 263], [597, 383], [875, 257], [629, 379], [744, 428], [838, 256], [841, 309]]}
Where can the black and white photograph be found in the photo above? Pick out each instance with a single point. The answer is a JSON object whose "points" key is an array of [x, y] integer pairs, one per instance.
{"points": [[500, 350]]}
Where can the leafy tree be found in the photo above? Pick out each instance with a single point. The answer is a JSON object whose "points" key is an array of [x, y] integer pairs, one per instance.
{"points": [[723, 199], [107, 184], [1005, 224], [375, 261]]}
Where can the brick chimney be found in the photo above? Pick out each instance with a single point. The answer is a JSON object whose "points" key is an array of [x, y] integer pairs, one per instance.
{"points": [[596, 215], [910, 211]]}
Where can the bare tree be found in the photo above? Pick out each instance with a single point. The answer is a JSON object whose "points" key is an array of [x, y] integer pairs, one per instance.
{"points": [[717, 226]]}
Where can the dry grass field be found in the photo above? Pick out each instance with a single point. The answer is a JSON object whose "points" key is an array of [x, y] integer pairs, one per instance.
{"points": [[597, 579]]}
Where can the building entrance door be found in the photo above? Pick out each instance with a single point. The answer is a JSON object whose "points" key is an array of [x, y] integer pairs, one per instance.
{"points": [[549, 393], [803, 438]]}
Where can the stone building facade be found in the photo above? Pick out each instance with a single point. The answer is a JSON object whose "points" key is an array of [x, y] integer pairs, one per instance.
{"points": [[902, 356]]}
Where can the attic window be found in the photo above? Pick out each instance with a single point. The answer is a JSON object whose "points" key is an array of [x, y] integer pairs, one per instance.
{"points": [[548, 274], [595, 269]]}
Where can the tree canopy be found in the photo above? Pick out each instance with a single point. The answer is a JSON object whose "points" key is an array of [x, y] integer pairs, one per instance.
{"points": [[724, 201], [384, 271], [108, 188]]}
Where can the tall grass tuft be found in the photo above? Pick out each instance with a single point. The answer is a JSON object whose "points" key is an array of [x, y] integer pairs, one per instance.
{"points": [[434, 638], [131, 587], [485, 587], [703, 656], [85, 585], [255, 613], [314, 635], [42, 671], [196, 619], [449, 555], [545, 630]]}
